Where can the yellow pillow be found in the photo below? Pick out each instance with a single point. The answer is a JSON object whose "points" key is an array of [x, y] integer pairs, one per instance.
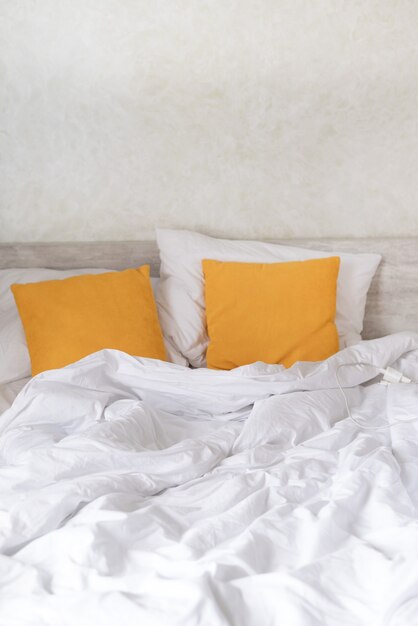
{"points": [[65, 320], [271, 312]]}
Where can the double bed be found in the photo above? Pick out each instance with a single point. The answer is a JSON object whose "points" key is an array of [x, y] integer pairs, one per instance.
{"points": [[139, 492]]}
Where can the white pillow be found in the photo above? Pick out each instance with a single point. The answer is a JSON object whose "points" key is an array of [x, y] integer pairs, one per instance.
{"points": [[14, 355], [180, 293]]}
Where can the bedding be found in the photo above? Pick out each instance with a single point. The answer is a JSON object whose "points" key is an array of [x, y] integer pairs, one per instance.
{"points": [[67, 319], [9, 391], [249, 320], [180, 294], [14, 355], [134, 492]]}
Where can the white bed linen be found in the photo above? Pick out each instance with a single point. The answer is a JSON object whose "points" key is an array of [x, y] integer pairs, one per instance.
{"points": [[139, 492], [9, 391]]}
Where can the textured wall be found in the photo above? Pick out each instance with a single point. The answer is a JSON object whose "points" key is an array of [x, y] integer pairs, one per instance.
{"points": [[257, 118]]}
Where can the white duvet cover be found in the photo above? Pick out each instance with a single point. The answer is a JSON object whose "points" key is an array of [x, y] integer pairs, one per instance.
{"points": [[9, 391], [135, 492]]}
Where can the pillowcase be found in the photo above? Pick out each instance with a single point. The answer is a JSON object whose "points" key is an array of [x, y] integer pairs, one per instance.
{"points": [[65, 320], [180, 295], [270, 312], [14, 355]]}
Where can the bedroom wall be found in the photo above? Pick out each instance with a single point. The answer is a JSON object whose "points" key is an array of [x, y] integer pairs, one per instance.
{"points": [[271, 118]]}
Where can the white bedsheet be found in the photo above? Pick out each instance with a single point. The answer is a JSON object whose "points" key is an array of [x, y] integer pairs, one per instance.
{"points": [[139, 492]]}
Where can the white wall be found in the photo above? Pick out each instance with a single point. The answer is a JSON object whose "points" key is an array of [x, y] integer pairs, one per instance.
{"points": [[256, 118]]}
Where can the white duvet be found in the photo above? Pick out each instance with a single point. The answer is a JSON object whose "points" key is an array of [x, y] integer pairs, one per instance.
{"points": [[135, 492]]}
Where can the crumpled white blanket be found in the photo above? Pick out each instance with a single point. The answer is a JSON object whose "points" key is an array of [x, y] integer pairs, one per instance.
{"points": [[136, 492]]}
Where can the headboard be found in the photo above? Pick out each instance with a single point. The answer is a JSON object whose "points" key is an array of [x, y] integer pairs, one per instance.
{"points": [[392, 303]]}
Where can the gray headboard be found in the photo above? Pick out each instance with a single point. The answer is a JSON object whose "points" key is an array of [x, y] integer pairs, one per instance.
{"points": [[392, 303]]}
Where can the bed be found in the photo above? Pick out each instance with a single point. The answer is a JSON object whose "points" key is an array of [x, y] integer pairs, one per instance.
{"points": [[137, 492]]}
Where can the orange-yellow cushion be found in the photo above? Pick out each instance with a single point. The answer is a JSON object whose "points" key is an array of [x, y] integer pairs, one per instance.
{"points": [[65, 320], [271, 312]]}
